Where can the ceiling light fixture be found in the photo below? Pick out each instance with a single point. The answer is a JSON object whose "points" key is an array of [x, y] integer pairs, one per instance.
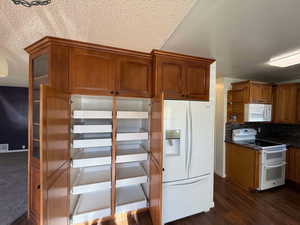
{"points": [[286, 60], [31, 3], [3, 67]]}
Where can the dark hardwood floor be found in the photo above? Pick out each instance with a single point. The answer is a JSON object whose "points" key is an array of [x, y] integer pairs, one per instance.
{"points": [[234, 206]]}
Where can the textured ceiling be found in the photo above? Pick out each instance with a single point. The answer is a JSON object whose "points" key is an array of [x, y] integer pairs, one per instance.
{"points": [[242, 35], [134, 24]]}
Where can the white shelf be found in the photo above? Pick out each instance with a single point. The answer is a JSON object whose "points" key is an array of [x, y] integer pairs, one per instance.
{"points": [[130, 174], [91, 114], [95, 158], [130, 198], [131, 153], [129, 134], [89, 143], [80, 129], [92, 206], [92, 179], [132, 115]]}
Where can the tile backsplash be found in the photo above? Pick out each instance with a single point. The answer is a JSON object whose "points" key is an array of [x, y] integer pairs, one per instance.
{"points": [[266, 129]]}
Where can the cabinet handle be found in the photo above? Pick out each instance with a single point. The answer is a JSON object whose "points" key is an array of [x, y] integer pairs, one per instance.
{"points": [[112, 92], [117, 92], [182, 95], [39, 186]]}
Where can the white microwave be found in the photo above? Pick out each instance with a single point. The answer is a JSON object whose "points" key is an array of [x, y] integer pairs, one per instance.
{"points": [[258, 113]]}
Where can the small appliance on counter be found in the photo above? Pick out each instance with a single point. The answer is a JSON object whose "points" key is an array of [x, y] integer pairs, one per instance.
{"points": [[272, 157]]}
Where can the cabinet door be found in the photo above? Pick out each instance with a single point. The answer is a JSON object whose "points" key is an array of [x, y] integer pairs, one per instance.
{"points": [[170, 78], [290, 167], [155, 196], [134, 76], [285, 104], [91, 72], [35, 194], [261, 93], [54, 156], [298, 106], [297, 165], [197, 81]]}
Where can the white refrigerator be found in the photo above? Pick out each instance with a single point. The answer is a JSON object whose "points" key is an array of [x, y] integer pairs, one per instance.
{"points": [[187, 159]]}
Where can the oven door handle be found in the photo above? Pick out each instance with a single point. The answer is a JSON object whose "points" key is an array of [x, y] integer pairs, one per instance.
{"points": [[275, 166], [275, 151]]}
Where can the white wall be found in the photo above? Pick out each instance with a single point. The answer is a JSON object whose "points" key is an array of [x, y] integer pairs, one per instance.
{"points": [[223, 84]]}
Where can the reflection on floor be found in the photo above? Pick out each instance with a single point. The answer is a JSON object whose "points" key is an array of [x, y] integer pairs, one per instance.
{"points": [[12, 186], [233, 206]]}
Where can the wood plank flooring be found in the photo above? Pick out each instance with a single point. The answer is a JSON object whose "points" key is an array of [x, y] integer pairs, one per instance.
{"points": [[234, 206]]}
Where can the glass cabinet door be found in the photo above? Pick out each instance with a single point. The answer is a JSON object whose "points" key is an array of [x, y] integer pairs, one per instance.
{"points": [[39, 76]]}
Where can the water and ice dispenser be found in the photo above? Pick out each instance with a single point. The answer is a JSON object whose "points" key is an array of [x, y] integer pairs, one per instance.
{"points": [[172, 142]]}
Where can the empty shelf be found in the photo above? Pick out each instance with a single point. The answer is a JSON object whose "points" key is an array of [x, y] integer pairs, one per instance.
{"points": [[92, 179], [130, 198], [89, 143], [131, 154], [130, 174], [132, 134], [95, 158], [132, 115], [79, 129], [91, 206], [86, 114]]}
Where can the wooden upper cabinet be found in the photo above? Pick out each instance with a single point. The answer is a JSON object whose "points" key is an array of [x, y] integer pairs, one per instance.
{"points": [[298, 105], [260, 93], [254, 92], [91, 72], [286, 103], [197, 81], [170, 75], [181, 77], [133, 77]]}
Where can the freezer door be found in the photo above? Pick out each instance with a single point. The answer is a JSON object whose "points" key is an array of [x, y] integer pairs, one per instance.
{"points": [[201, 136], [186, 198], [174, 145]]}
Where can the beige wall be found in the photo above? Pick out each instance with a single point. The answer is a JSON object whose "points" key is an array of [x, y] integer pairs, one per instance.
{"points": [[223, 84]]}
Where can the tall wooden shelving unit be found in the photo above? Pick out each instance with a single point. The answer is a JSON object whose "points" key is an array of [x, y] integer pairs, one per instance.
{"points": [[95, 128]]}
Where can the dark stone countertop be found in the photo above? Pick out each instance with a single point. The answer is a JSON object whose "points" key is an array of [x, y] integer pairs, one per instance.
{"points": [[289, 141]]}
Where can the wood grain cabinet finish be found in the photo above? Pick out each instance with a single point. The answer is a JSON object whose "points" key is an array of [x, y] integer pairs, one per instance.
{"points": [[249, 92], [298, 105], [74, 67], [35, 189], [133, 77], [242, 166], [197, 81], [170, 78], [286, 103], [293, 165], [91, 72], [180, 76], [254, 92], [155, 193]]}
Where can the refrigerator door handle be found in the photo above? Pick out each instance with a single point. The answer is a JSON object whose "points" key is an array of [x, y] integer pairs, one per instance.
{"points": [[186, 139], [189, 181], [190, 138]]}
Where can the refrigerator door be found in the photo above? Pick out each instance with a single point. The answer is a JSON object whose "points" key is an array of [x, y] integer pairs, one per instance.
{"points": [[201, 138], [175, 145], [186, 198]]}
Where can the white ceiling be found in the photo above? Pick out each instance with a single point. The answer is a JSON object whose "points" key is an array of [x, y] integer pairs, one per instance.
{"points": [[134, 24], [242, 35]]}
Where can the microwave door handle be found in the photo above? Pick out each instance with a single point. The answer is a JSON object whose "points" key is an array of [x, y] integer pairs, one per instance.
{"points": [[275, 166]]}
